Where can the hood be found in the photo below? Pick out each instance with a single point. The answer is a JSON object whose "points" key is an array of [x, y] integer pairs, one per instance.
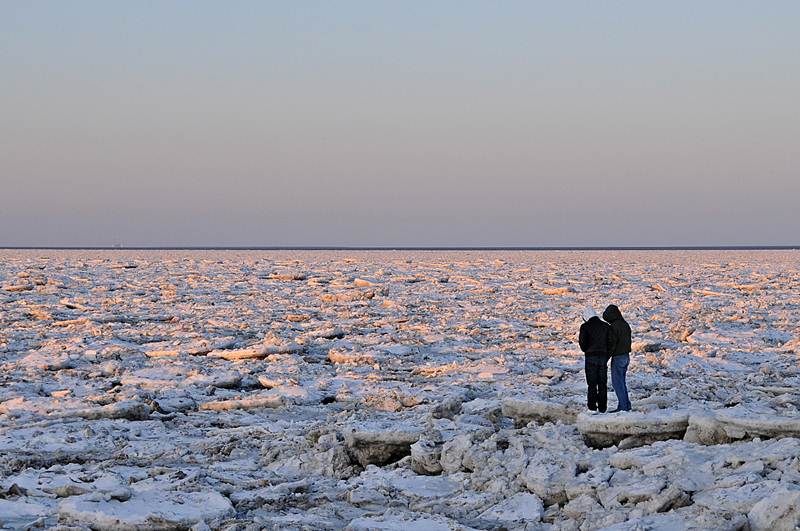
{"points": [[588, 313], [612, 313]]}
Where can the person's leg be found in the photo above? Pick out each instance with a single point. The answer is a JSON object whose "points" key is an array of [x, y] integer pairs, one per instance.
{"points": [[618, 380], [591, 382], [622, 394], [602, 386]]}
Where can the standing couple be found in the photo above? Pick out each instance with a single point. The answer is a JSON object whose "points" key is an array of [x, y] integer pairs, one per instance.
{"points": [[599, 340]]}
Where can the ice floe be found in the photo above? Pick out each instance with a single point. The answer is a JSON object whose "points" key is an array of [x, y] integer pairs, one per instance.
{"points": [[394, 390]]}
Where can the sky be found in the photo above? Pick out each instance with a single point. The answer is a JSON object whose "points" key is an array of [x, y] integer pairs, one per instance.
{"points": [[363, 123]]}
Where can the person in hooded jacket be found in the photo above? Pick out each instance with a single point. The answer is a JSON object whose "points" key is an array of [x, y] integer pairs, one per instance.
{"points": [[594, 340], [619, 348]]}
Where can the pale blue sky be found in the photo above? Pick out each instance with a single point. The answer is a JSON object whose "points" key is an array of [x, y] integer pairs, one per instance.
{"points": [[443, 123]]}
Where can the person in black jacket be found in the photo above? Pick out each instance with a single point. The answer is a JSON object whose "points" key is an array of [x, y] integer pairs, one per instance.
{"points": [[619, 348], [594, 340]]}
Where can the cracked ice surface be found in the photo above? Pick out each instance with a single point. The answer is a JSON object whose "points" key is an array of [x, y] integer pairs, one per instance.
{"points": [[394, 390]]}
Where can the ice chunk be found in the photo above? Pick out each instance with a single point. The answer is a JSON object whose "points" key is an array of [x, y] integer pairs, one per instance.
{"points": [[152, 509], [521, 508], [524, 411], [633, 427]]}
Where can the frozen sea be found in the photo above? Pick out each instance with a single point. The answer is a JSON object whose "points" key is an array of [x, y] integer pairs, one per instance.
{"points": [[395, 390]]}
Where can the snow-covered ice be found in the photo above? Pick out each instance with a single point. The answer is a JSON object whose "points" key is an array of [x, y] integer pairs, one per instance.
{"points": [[395, 390]]}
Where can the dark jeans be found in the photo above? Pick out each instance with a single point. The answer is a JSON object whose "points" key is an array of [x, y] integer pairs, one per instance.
{"points": [[597, 379], [619, 366]]}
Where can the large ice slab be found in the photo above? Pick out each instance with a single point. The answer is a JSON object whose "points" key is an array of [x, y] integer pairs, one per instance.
{"points": [[735, 424], [632, 428], [148, 510]]}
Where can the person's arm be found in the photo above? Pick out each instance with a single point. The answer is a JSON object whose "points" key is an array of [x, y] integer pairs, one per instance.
{"points": [[582, 338], [611, 348]]}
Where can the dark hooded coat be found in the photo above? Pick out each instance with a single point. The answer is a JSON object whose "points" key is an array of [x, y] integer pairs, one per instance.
{"points": [[594, 337], [619, 341]]}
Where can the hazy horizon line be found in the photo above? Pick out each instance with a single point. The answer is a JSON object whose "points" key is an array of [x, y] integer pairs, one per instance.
{"points": [[409, 248]]}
